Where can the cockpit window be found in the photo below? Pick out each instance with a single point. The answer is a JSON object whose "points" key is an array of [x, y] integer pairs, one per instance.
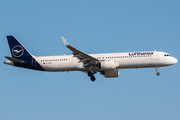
{"points": [[167, 55]]}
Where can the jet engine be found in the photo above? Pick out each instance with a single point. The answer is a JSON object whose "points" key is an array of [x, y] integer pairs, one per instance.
{"points": [[107, 65], [111, 73]]}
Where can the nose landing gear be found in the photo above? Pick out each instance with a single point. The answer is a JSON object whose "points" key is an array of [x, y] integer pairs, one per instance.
{"points": [[157, 71]]}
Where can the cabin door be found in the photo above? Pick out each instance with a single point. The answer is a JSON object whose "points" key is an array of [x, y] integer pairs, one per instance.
{"points": [[157, 57], [33, 62]]}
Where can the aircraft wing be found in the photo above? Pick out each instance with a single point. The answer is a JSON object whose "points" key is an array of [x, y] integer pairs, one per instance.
{"points": [[83, 57]]}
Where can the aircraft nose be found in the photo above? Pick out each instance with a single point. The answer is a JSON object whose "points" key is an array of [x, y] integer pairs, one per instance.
{"points": [[174, 60]]}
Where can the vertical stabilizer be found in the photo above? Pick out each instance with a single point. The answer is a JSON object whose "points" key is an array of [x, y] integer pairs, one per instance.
{"points": [[17, 50], [20, 55]]}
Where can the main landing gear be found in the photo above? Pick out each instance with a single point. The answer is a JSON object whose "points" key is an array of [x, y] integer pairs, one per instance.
{"points": [[91, 75], [157, 71]]}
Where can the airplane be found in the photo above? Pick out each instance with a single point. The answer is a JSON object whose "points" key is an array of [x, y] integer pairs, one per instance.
{"points": [[108, 64]]}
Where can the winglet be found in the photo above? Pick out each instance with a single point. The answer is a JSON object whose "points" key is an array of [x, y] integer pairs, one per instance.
{"points": [[65, 42]]}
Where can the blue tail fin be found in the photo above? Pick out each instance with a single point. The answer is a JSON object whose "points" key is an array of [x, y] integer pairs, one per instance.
{"points": [[20, 53], [17, 50]]}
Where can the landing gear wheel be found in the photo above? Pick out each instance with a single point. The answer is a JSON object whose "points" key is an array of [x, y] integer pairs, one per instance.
{"points": [[157, 73], [93, 78], [90, 73]]}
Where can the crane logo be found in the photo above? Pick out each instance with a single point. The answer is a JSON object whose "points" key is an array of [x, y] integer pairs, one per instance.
{"points": [[17, 51]]}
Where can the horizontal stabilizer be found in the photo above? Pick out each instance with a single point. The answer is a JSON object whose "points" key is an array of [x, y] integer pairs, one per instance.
{"points": [[14, 60]]}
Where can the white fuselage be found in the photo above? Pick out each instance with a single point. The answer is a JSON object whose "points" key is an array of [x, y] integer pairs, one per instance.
{"points": [[108, 64], [125, 60]]}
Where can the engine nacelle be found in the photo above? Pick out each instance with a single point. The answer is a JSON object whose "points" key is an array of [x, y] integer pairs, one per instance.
{"points": [[107, 65], [111, 73]]}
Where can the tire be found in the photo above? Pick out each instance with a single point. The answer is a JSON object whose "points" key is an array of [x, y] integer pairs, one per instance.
{"points": [[157, 73], [93, 78], [89, 73]]}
